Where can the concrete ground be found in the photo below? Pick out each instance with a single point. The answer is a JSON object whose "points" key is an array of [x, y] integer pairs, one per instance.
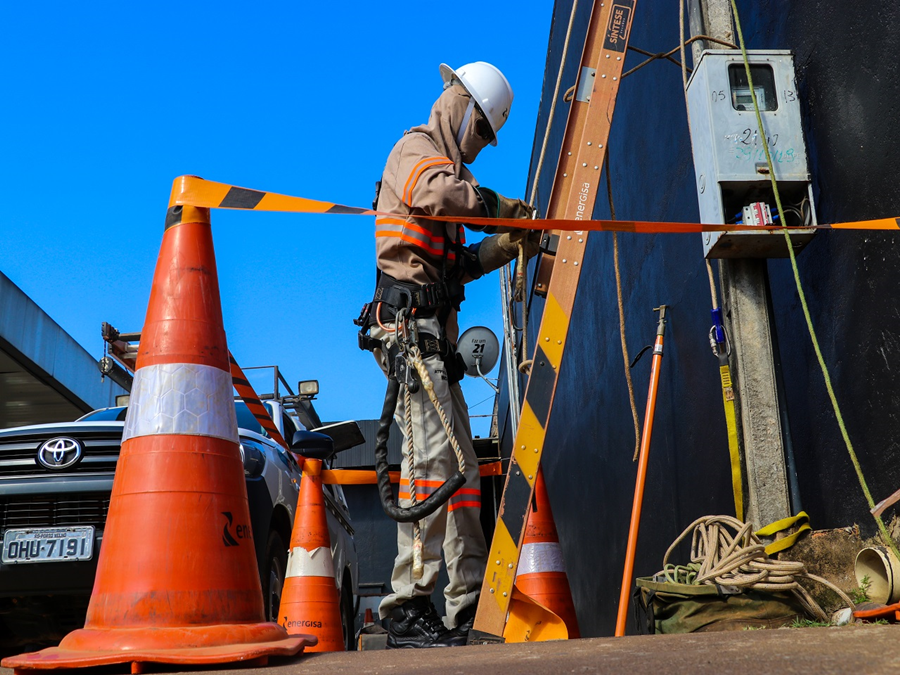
{"points": [[854, 649]]}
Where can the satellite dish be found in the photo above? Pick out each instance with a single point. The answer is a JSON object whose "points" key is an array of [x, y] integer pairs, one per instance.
{"points": [[479, 349]]}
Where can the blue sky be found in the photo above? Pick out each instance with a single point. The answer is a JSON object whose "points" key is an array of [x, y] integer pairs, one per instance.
{"points": [[106, 103]]}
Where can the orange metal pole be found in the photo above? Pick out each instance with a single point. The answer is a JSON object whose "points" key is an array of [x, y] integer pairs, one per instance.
{"points": [[641, 474]]}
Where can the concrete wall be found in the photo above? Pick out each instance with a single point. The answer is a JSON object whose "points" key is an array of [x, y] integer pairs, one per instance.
{"points": [[847, 73]]}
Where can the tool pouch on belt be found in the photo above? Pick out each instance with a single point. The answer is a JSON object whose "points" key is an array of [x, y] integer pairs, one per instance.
{"points": [[426, 299], [664, 607], [454, 366]]}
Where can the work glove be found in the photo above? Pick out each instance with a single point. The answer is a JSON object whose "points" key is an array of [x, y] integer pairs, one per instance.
{"points": [[494, 252], [499, 206], [514, 208]]}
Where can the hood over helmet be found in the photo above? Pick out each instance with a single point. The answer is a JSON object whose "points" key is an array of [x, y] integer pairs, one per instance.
{"points": [[445, 127]]}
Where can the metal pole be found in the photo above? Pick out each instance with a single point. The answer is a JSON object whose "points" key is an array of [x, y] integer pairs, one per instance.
{"points": [[625, 593]]}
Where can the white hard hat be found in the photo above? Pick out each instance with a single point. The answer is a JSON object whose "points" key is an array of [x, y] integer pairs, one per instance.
{"points": [[488, 88]]}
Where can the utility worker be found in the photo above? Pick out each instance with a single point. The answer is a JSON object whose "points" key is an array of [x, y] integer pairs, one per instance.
{"points": [[422, 266]]}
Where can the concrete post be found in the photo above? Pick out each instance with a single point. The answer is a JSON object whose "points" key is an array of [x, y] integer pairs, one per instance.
{"points": [[747, 321]]}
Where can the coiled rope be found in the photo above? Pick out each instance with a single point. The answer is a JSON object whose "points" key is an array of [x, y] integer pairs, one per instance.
{"points": [[726, 552]]}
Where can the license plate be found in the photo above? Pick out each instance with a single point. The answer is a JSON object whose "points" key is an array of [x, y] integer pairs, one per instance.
{"points": [[48, 544]]}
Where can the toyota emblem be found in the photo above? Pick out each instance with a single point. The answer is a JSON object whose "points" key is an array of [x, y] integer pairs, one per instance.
{"points": [[59, 453]]}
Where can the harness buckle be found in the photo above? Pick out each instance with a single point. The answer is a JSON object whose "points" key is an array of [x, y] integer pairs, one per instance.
{"points": [[404, 374], [363, 318]]}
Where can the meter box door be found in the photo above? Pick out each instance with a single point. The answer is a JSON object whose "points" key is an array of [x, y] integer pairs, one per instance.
{"points": [[733, 182]]}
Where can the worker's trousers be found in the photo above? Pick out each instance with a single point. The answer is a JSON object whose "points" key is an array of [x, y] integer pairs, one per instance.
{"points": [[455, 528]]}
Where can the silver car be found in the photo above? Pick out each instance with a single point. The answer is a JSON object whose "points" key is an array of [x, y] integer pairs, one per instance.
{"points": [[38, 499]]}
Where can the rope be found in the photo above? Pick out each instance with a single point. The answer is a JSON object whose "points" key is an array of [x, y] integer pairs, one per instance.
{"points": [[562, 63], [418, 566], [725, 552], [812, 332], [522, 262], [631, 401], [415, 357], [519, 296]]}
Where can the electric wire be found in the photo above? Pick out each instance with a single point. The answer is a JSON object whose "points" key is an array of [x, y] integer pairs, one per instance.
{"points": [[724, 369], [684, 81], [812, 332], [668, 55]]}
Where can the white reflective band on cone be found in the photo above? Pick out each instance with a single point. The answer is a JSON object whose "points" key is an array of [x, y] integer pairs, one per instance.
{"points": [[541, 557], [315, 563], [181, 398]]}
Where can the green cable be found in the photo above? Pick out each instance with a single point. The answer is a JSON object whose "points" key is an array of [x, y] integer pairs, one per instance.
{"points": [[812, 333]]}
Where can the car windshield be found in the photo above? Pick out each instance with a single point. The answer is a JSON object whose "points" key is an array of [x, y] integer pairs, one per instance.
{"points": [[245, 418], [105, 415]]}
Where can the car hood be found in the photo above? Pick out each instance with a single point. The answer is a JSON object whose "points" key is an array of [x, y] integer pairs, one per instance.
{"points": [[60, 428]]}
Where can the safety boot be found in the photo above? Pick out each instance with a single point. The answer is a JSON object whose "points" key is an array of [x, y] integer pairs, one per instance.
{"points": [[465, 619], [416, 624]]}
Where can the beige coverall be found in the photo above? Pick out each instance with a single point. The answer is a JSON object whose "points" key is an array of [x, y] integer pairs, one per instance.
{"points": [[425, 174]]}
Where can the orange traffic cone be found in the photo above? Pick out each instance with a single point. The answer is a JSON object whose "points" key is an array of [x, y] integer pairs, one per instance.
{"points": [[541, 579], [177, 580], [310, 601]]}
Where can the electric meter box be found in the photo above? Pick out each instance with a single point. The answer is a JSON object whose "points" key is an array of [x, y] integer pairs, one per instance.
{"points": [[729, 159]]}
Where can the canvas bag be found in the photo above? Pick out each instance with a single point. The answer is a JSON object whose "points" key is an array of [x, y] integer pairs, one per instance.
{"points": [[664, 607]]}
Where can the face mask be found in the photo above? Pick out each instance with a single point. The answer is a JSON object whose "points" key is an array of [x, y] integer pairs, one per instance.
{"points": [[475, 136], [483, 127]]}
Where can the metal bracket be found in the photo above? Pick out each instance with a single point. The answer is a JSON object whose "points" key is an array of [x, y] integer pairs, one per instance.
{"points": [[585, 84], [549, 243]]}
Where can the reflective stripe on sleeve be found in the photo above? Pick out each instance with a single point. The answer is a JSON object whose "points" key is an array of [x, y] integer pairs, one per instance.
{"points": [[181, 398], [417, 171]]}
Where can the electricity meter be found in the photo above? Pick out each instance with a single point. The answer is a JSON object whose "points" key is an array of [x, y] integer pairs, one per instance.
{"points": [[733, 184]]}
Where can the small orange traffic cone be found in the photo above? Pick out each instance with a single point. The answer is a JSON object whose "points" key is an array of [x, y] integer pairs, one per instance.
{"points": [[310, 601], [177, 580], [541, 581]]}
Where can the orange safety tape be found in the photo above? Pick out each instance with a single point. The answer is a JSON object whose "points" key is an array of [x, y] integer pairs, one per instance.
{"points": [[248, 394], [365, 477], [194, 191]]}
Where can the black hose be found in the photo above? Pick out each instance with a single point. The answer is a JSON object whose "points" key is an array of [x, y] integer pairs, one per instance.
{"points": [[424, 508]]}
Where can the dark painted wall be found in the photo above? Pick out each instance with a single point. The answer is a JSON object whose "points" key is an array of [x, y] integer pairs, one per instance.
{"points": [[847, 73]]}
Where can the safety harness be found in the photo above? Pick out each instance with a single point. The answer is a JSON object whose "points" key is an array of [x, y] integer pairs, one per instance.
{"points": [[417, 301], [401, 303]]}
